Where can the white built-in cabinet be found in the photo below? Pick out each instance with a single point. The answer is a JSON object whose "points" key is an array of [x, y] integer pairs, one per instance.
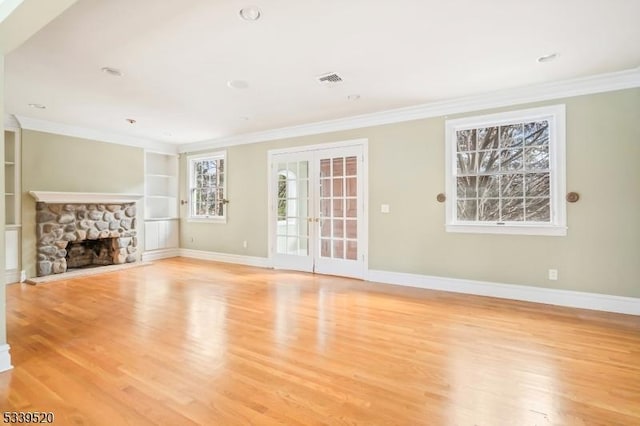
{"points": [[161, 227], [160, 234], [12, 194]]}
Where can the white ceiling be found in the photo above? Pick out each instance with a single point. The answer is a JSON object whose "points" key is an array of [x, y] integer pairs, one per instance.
{"points": [[178, 55]]}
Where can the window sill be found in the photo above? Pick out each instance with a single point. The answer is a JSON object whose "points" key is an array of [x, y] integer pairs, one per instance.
{"points": [[549, 230], [222, 220]]}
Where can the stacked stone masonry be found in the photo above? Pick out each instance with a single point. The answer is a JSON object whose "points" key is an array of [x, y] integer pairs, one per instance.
{"points": [[59, 224]]}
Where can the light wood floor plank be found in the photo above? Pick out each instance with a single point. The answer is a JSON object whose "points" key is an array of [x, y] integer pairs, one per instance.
{"points": [[186, 342]]}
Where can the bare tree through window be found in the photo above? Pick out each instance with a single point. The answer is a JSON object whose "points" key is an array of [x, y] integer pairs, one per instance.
{"points": [[503, 173], [207, 188]]}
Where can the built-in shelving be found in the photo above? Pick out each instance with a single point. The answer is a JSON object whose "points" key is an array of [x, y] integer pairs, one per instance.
{"points": [[12, 191], [161, 185], [161, 202], [12, 175]]}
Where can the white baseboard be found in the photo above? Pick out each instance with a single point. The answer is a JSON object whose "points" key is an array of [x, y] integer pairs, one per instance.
{"points": [[5, 358], [573, 299], [160, 254], [239, 259], [15, 277]]}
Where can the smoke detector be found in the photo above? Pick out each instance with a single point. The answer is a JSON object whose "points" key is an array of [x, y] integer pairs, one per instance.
{"points": [[330, 79]]}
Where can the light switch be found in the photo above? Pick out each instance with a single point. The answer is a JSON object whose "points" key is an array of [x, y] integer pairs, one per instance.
{"points": [[384, 208]]}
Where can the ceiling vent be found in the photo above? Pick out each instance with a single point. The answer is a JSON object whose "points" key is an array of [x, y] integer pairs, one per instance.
{"points": [[330, 79]]}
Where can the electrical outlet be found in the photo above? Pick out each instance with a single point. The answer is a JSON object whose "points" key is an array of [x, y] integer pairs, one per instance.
{"points": [[245, 244], [553, 274], [384, 208]]}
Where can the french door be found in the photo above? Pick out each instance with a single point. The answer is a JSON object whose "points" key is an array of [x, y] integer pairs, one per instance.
{"points": [[317, 210]]}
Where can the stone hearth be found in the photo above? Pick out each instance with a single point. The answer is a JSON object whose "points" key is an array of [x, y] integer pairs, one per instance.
{"points": [[58, 225]]}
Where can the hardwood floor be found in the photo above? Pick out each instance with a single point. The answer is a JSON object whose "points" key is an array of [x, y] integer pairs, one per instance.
{"points": [[187, 342]]}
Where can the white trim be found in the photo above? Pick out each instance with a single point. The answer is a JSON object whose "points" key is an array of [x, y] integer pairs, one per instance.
{"points": [[599, 83], [568, 298], [261, 262], [191, 159], [12, 277], [209, 219], [556, 116], [363, 145], [10, 122], [619, 80], [160, 254], [201, 155], [508, 229], [7, 7], [84, 197], [321, 146], [5, 358], [573, 299], [94, 134]]}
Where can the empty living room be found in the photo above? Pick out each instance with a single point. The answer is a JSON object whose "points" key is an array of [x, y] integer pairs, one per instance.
{"points": [[320, 213]]}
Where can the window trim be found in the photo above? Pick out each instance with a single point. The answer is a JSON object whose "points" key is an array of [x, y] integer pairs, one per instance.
{"points": [[191, 159], [555, 114]]}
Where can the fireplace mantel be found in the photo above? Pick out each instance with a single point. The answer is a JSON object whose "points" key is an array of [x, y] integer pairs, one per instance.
{"points": [[84, 197]]}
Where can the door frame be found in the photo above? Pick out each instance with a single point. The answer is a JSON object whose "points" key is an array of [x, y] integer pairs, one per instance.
{"points": [[271, 190]]}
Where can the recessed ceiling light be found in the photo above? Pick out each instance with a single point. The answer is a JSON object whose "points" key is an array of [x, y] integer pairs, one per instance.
{"points": [[37, 106], [353, 97], [250, 13], [112, 71], [237, 84], [547, 58], [130, 120]]}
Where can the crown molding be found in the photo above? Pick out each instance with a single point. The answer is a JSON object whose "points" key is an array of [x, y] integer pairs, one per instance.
{"points": [[600, 83], [7, 7], [10, 122], [39, 125], [502, 98]]}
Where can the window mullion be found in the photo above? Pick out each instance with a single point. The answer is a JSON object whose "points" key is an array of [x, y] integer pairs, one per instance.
{"points": [[517, 179]]}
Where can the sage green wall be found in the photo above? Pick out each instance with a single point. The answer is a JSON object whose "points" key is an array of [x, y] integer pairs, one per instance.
{"points": [[600, 254], [63, 163]]}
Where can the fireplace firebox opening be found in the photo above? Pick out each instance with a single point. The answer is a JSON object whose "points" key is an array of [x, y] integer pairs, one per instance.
{"points": [[91, 253]]}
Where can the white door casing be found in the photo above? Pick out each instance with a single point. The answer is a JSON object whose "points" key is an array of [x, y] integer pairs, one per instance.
{"points": [[317, 208]]}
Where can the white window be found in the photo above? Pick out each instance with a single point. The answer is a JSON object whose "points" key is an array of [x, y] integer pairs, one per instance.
{"points": [[505, 172], [207, 187]]}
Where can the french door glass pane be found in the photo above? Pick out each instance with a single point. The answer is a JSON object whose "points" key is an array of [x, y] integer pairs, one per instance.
{"points": [[292, 231], [338, 187], [338, 207], [352, 250], [338, 167], [351, 166], [338, 201], [325, 168], [352, 207], [338, 228], [351, 229]]}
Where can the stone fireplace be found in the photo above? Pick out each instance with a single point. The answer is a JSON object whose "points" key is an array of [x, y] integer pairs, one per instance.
{"points": [[77, 235]]}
